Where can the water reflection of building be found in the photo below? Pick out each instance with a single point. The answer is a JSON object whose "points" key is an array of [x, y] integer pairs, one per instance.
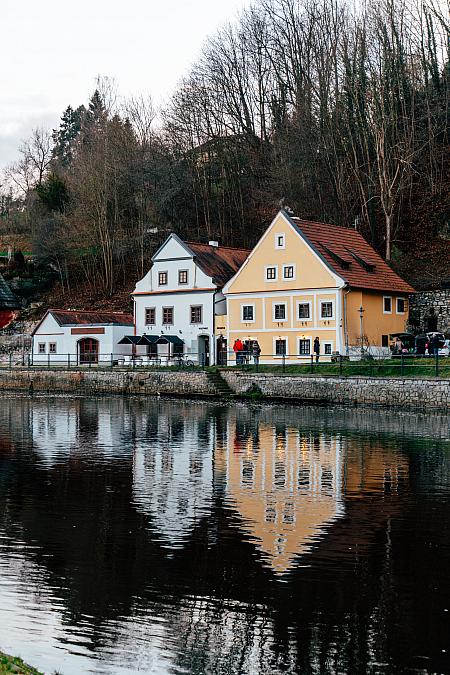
{"points": [[173, 473], [286, 486]]}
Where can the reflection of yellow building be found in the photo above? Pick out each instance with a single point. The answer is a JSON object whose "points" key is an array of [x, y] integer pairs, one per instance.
{"points": [[286, 488]]}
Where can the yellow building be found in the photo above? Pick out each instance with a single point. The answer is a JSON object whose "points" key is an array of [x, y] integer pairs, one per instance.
{"points": [[305, 280]]}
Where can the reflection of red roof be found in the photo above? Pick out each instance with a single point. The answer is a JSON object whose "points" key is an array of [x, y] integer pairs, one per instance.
{"points": [[219, 262], [351, 257], [66, 317]]}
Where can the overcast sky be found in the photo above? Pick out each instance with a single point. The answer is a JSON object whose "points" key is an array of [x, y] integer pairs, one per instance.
{"points": [[51, 52]]}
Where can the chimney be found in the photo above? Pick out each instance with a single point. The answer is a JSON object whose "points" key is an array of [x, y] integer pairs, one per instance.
{"points": [[214, 243]]}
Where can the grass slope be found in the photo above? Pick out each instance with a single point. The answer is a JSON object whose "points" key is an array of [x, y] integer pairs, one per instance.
{"points": [[11, 664]]}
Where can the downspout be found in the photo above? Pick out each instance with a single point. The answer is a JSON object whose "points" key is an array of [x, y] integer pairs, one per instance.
{"points": [[213, 350], [345, 319]]}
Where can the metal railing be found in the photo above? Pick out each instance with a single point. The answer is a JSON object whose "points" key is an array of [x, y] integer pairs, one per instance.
{"points": [[302, 364]]}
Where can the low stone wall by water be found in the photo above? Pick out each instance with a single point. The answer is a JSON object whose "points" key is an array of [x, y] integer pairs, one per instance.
{"points": [[393, 392], [426, 394]]}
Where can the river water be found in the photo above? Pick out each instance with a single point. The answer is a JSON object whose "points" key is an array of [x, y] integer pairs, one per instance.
{"points": [[159, 536]]}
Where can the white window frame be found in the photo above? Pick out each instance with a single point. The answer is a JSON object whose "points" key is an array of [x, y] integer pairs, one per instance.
{"points": [[387, 297], [294, 271], [50, 350], [304, 302], [40, 345], [267, 267], [242, 313], [327, 342], [277, 245], [183, 283], [396, 305], [326, 318], [173, 315], [275, 340], [300, 339], [274, 304]]}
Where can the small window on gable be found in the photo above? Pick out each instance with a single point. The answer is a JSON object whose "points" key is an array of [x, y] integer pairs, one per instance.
{"points": [[52, 347], [280, 241], [387, 304], [41, 347], [162, 279], [288, 271], [271, 273], [182, 277]]}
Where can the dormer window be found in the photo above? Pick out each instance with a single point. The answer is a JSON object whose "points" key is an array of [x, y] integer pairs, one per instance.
{"points": [[280, 241]]}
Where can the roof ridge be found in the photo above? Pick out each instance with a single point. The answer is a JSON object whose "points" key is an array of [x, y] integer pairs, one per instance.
{"points": [[318, 222], [229, 248]]}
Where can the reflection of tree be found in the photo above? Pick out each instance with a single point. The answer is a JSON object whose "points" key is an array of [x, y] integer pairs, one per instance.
{"points": [[223, 612]]}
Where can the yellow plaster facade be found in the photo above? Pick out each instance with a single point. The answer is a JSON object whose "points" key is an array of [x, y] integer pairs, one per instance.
{"points": [[285, 295]]}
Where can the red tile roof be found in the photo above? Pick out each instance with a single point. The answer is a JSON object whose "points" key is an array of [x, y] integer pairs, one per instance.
{"points": [[74, 317], [351, 257], [219, 262]]}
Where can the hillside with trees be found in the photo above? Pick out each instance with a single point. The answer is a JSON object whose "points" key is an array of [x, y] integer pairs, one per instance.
{"points": [[341, 115]]}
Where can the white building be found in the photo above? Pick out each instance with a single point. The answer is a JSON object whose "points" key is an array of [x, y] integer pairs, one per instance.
{"points": [[177, 303], [72, 337]]}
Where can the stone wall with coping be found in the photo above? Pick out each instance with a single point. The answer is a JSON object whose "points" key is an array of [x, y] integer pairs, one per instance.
{"points": [[392, 392], [424, 394]]}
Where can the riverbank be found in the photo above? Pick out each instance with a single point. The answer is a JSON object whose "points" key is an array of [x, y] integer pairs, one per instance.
{"points": [[404, 393], [12, 664]]}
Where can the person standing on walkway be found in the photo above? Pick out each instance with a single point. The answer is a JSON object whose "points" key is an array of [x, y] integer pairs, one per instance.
{"points": [[238, 348], [316, 348], [256, 351]]}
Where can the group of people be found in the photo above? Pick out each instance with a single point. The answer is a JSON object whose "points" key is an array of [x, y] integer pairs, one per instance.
{"points": [[245, 350]]}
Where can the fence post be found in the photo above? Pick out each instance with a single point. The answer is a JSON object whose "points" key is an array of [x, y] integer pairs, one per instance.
{"points": [[68, 361], [312, 364], [340, 365], [401, 364], [48, 360], [112, 361], [284, 362]]}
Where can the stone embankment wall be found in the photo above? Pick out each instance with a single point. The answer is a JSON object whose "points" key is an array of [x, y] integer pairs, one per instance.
{"points": [[393, 392], [93, 382], [425, 394]]}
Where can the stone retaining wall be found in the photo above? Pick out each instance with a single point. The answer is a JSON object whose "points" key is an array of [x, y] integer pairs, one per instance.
{"points": [[393, 392], [426, 394]]}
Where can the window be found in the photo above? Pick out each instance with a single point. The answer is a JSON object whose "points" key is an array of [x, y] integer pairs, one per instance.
{"points": [[288, 271], [280, 347], [279, 241], [304, 347], [271, 273], [248, 313], [326, 310], [387, 304], [41, 347], [327, 348], [162, 279], [52, 348], [385, 340], [304, 310], [279, 312], [150, 316], [167, 316], [182, 276], [196, 313], [400, 305]]}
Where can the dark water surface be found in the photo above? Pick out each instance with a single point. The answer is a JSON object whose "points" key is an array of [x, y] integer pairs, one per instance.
{"points": [[176, 537]]}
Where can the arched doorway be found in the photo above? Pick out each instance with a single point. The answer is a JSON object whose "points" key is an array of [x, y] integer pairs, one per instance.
{"points": [[88, 350], [203, 350]]}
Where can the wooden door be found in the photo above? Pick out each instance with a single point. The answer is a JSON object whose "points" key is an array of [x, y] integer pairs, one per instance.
{"points": [[88, 350]]}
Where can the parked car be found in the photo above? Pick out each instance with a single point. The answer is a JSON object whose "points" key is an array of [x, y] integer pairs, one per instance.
{"points": [[445, 349]]}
